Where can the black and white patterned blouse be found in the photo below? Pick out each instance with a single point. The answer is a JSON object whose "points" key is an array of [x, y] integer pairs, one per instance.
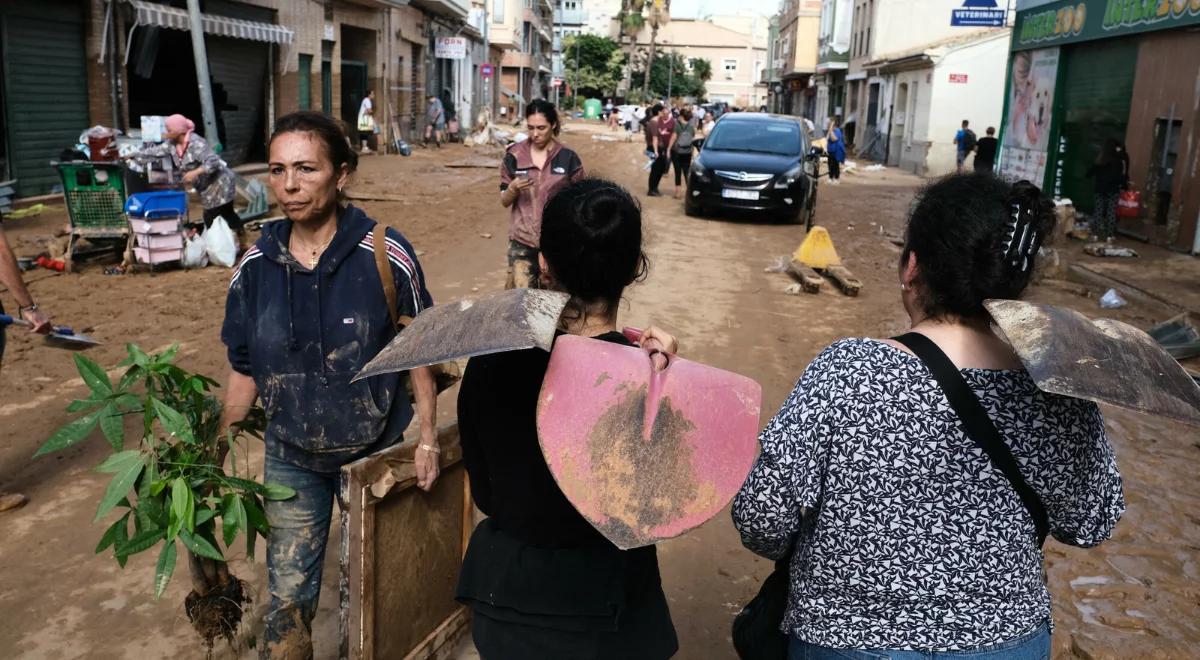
{"points": [[910, 538]]}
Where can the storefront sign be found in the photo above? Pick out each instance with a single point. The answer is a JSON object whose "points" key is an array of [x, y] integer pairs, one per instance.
{"points": [[958, 78], [450, 48], [1070, 21], [1024, 152], [485, 70], [977, 13]]}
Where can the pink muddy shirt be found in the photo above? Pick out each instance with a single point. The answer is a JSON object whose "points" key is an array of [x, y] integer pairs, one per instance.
{"points": [[562, 167]]}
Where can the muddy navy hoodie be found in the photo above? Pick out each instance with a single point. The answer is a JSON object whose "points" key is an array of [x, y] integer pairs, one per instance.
{"points": [[303, 334]]}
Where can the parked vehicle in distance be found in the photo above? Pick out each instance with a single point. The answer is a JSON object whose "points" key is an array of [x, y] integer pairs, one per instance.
{"points": [[759, 163]]}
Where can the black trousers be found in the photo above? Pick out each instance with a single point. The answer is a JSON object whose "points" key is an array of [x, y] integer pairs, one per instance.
{"points": [[835, 168], [225, 211], [683, 161], [660, 167]]}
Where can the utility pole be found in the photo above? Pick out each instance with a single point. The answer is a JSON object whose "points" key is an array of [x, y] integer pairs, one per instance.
{"points": [[200, 55], [670, 75], [487, 57]]}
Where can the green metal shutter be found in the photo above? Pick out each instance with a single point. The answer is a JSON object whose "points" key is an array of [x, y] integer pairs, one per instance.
{"points": [[305, 74], [1096, 87], [45, 88]]}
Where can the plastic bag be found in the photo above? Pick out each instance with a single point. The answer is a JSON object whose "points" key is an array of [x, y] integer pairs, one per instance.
{"points": [[1112, 300], [195, 254], [221, 244]]}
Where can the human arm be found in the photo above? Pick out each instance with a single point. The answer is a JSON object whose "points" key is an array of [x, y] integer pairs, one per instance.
{"points": [[10, 276], [426, 455], [510, 184], [1083, 494]]}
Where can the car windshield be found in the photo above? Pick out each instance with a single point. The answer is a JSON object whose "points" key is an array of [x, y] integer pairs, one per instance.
{"points": [[768, 137]]}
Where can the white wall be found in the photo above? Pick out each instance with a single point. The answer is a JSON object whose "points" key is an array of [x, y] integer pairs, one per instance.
{"points": [[980, 100], [911, 143], [902, 25]]}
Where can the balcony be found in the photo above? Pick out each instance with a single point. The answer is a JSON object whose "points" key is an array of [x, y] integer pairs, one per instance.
{"points": [[459, 9], [570, 16]]}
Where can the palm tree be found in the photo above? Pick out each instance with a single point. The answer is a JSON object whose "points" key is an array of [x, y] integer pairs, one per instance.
{"points": [[660, 14], [631, 21]]}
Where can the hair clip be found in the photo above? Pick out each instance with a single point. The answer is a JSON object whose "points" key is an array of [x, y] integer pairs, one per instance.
{"points": [[1021, 239]]}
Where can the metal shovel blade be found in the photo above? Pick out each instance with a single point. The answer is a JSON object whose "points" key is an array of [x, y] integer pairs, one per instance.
{"points": [[1104, 361], [68, 336], [507, 321], [644, 455]]}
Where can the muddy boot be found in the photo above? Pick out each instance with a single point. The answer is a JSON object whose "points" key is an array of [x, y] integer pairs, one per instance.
{"points": [[10, 501]]}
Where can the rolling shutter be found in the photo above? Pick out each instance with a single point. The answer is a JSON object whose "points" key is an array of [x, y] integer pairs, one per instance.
{"points": [[240, 67], [45, 88]]}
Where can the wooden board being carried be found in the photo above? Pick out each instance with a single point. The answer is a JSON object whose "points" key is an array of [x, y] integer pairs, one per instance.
{"points": [[401, 553]]}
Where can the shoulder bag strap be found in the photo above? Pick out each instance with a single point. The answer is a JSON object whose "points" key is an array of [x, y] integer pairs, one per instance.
{"points": [[379, 237], [978, 425]]}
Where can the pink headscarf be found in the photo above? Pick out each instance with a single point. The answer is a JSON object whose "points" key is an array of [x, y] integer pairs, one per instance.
{"points": [[181, 124]]}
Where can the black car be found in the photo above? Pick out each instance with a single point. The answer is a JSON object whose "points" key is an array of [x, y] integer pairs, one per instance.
{"points": [[755, 162]]}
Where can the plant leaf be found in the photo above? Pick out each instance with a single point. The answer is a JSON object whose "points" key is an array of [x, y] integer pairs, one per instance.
{"points": [[175, 423], [278, 492], [233, 518], [204, 515], [80, 405], [137, 356], [112, 424], [113, 532], [166, 566], [119, 461], [119, 486], [93, 375], [143, 540], [167, 355], [183, 505], [255, 516], [199, 545], [71, 434]]}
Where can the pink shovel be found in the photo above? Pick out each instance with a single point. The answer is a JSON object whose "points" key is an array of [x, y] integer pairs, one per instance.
{"points": [[644, 455]]}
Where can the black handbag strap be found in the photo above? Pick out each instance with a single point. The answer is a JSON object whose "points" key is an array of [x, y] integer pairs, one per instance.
{"points": [[978, 425]]}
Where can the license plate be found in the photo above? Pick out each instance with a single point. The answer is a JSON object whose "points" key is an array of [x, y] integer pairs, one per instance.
{"points": [[732, 193]]}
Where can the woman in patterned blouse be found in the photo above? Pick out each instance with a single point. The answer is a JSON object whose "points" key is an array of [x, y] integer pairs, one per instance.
{"points": [[907, 540], [202, 168]]}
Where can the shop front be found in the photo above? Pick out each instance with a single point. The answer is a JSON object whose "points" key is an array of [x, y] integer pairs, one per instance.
{"points": [[1086, 72]]}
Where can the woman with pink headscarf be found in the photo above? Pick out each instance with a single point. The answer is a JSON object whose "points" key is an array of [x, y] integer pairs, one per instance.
{"points": [[202, 169]]}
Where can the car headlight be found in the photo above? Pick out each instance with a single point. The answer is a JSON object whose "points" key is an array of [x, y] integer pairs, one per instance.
{"points": [[789, 177], [699, 171]]}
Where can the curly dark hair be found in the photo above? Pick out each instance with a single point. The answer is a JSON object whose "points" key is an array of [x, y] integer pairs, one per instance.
{"points": [[592, 242], [960, 228]]}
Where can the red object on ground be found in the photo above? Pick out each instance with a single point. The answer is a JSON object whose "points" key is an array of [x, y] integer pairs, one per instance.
{"points": [[644, 455], [1129, 204], [51, 264]]}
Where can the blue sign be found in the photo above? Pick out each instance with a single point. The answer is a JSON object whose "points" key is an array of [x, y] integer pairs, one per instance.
{"points": [[978, 13]]}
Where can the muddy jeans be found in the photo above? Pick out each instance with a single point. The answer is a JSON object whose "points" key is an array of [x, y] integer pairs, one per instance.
{"points": [[295, 554], [1034, 645], [523, 269]]}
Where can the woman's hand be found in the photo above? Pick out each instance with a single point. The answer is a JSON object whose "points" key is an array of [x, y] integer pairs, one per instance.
{"points": [[426, 459], [38, 321], [657, 339], [191, 176], [521, 183]]}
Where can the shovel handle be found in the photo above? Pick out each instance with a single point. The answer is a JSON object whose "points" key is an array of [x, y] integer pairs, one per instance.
{"points": [[6, 319], [632, 334]]}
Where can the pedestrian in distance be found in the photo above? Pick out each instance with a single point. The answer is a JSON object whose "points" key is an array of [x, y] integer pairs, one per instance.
{"points": [[681, 150], [531, 172], [27, 310], [367, 128], [660, 135], [540, 580], [902, 536], [964, 143], [985, 151], [201, 167], [1109, 172], [835, 151], [309, 305], [435, 121]]}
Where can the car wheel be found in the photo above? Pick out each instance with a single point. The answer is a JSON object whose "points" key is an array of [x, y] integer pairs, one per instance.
{"points": [[691, 210]]}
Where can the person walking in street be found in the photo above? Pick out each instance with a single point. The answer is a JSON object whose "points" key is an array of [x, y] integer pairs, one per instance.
{"points": [[540, 580], [985, 151], [202, 169], [681, 150], [531, 173], [308, 306], [27, 309], [367, 127], [903, 537], [1110, 173], [660, 136], [435, 121], [835, 151], [964, 143]]}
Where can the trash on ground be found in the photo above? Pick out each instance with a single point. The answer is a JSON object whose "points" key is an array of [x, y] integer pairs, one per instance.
{"points": [[1106, 250], [1112, 300], [27, 212], [793, 289], [1178, 337], [486, 234], [874, 168], [780, 265]]}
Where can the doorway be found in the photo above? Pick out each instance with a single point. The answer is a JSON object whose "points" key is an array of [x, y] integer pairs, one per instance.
{"points": [[1161, 177], [354, 89]]}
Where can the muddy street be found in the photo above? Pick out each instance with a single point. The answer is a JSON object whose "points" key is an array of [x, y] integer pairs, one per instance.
{"points": [[1136, 596]]}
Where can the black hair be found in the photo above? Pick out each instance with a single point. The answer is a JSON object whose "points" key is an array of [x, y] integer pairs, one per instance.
{"points": [[327, 129], [657, 109], [547, 110], [592, 241], [975, 237]]}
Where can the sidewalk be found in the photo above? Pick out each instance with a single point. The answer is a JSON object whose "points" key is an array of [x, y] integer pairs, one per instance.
{"points": [[1157, 277]]}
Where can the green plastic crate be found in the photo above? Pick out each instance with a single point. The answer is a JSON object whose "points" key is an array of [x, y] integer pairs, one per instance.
{"points": [[95, 195]]}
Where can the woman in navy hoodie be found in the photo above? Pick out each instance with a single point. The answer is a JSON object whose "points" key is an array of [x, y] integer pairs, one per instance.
{"points": [[306, 311]]}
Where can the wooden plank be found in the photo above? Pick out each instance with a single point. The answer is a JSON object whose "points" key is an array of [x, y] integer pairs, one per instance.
{"points": [[809, 279], [845, 280]]}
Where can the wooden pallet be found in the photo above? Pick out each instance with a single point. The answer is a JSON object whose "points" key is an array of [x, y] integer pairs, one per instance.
{"points": [[810, 280]]}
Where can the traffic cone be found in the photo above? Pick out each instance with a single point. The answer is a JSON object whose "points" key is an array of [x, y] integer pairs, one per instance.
{"points": [[817, 250]]}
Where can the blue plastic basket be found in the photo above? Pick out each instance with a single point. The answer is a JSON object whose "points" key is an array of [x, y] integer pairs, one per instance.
{"points": [[162, 204]]}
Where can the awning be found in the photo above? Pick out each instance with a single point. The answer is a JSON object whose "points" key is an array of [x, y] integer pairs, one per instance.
{"points": [[148, 13]]}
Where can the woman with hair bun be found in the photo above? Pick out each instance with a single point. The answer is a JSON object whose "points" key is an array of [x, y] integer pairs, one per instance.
{"points": [[541, 581], [904, 537]]}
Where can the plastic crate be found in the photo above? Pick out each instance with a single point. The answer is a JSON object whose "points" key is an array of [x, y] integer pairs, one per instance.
{"points": [[161, 204], [95, 195], [154, 256], [155, 226]]}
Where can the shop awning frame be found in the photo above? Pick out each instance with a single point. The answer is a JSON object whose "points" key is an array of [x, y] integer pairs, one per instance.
{"points": [[150, 14]]}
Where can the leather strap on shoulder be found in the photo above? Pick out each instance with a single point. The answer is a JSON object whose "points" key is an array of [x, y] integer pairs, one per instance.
{"points": [[379, 236]]}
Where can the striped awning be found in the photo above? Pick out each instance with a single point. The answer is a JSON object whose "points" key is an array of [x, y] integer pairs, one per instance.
{"points": [[148, 13]]}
